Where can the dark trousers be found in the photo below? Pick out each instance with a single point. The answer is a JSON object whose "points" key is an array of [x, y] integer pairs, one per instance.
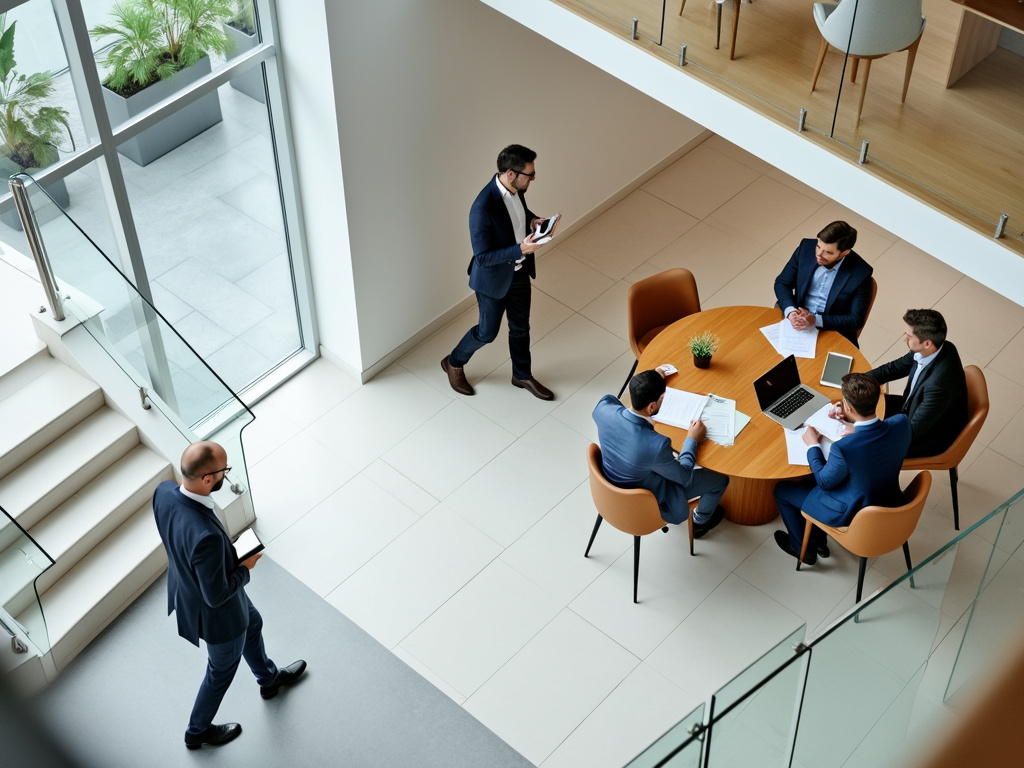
{"points": [[789, 496], [220, 670], [515, 304]]}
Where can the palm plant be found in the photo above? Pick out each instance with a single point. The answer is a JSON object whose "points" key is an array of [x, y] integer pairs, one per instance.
{"points": [[29, 128], [244, 18], [153, 39]]}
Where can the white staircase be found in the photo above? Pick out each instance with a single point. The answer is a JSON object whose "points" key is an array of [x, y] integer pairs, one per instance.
{"points": [[76, 477]]}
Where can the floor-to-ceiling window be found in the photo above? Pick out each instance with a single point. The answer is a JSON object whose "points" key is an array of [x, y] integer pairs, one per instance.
{"points": [[198, 207]]}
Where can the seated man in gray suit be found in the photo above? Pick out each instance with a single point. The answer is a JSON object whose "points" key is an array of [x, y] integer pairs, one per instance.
{"points": [[935, 398], [633, 455]]}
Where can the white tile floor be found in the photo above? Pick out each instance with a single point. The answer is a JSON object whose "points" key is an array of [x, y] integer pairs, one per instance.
{"points": [[452, 529]]}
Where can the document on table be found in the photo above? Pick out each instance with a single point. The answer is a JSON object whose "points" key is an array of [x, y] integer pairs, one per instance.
{"points": [[771, 332], [793, 342], [827, 426], [797, 448], [719, 417], [680, 408]]}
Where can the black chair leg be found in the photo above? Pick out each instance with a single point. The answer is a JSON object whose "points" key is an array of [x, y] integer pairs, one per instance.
{"points": [[630, 376], [860, 576], [956, 501], [910, 566], [593, 536], [636, 565]]}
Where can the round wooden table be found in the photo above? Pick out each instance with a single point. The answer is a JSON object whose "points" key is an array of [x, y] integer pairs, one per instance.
{"points": [[758, 458]]}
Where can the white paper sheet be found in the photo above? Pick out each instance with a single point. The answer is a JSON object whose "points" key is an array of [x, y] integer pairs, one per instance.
{"points": [[796, 448], [771, 332], [793, 342], [719, 417], [827, 426], [680, 408]]}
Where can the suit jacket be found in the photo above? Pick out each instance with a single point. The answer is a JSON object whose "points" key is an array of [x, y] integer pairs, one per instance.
{"points": [[495, 247], [846, 308], [633, 455], [205, 582], [937, 408], [862, 469]]}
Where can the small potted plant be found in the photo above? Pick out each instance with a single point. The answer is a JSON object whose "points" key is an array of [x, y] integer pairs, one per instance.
{"points": [[159, 47], [30, 129], [703, 347], [241, 31]]}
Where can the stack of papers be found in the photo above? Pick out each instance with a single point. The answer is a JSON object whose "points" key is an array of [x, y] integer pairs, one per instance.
{"points": [[680, 409], [721, 419], [827, 426], [787, 340], [797, 449]]}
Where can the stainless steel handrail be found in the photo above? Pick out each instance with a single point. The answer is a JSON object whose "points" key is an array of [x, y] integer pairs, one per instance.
{"points": [[35, 244]]}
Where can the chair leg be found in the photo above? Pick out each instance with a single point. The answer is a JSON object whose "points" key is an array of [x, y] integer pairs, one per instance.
{"points": [[593, 536], [910, 566], [863, 88], [956, 501], [735, 28], [860, 576], [718, 34], [911, 55], [689, 529], [636, 565], [681, 6], [853, 69], [808, 526], [821, 60], [630, 376]]}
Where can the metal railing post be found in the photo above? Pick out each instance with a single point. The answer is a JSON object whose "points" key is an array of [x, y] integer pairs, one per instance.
{"points": [[35, 244]]}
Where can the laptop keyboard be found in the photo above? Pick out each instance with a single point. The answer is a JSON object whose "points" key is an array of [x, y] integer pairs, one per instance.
{"points": [[791, 403]]}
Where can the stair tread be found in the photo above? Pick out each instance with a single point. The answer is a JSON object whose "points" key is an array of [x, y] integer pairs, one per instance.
{"points": [[130, 479], [25, 371], [70, 599], [55, 464]]}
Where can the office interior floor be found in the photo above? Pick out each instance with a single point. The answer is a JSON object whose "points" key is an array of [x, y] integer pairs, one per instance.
{"points": [[452, 529]]}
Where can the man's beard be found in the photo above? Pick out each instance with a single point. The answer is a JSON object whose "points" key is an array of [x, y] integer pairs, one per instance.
{"points": [[218, 485]]}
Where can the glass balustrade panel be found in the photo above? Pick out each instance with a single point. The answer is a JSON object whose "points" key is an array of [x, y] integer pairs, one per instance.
{"points": [[22, 561]]}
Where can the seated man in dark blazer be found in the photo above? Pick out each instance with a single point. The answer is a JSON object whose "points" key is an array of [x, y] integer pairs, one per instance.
{"points": [[935, 398], [826, 284], [863, 468], [635, 456], [206, 591]]}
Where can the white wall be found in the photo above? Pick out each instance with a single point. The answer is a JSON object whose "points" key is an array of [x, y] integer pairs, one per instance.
{"points": [[425, 94]]}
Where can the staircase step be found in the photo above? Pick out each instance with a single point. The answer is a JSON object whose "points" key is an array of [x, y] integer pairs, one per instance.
{"points": [[21, 374], [59, 470], [100, 585], [41, 409]]}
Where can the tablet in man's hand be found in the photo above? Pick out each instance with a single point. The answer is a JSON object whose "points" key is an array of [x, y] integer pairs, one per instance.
{"points": [[247, 544]]}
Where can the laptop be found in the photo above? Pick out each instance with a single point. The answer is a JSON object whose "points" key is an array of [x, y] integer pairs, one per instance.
{"points": [[783, 398]]}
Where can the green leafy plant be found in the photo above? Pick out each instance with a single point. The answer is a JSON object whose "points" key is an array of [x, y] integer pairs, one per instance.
{"points": [[30, 129], [244, 18], [154, 39], [703, 345]]}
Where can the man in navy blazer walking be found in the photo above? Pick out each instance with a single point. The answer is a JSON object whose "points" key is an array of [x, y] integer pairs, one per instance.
{"points": [[825, 284], [501, 229], [206, 591], [863, 468]]}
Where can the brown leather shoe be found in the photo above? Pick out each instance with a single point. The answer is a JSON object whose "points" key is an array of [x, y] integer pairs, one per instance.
{"points": [[534, 387], [457, 378]]}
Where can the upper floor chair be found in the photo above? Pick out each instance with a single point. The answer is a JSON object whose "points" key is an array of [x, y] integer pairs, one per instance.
{"points": [[655, 303], [977, 412], [869, 29]]}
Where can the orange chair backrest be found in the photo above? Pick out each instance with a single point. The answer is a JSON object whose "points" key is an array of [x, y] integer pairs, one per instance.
{"points": [[631, 510], [658, 301], [874, 531], [871, 303], [977, 412]]}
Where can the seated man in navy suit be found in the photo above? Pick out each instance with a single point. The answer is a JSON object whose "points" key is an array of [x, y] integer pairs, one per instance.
{"points": [[863, 468], [825, 284], [206, 591], [633, 455], [935, 398]]}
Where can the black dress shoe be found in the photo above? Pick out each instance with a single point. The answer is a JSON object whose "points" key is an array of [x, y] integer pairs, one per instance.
{"points": [[822, 550], [285, 676], [215, 735], [699, 529], [534, 387], [782, 539], [457, 378]]}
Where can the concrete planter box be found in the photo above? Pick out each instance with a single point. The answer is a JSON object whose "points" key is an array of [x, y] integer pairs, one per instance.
{"points": [[58, 190], [250, 83], [173, 131]]}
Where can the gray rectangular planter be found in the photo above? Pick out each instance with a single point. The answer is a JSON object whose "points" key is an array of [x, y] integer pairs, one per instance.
{"points": [[58, 190], [250, 83], [173, 131]]}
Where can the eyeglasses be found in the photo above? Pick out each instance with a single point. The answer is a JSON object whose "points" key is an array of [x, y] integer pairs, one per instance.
{"points": [[218, 471], [527, 175]]}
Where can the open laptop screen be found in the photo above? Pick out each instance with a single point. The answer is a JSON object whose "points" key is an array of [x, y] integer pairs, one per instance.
{"points": [[777, 382]]}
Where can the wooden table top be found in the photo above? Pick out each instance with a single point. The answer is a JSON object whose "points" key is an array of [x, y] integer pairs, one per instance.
{"points": [[743, 355]]}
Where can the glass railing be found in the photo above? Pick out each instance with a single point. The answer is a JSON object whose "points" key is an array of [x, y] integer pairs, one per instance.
{"points": [[873, 687], [22, 561], [93, 289], [947, 144]]}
